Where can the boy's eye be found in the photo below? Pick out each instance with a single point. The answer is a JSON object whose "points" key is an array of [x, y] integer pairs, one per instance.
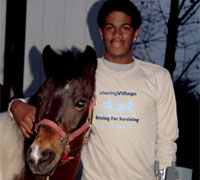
{"points": [[108, 28], [126, 28]]}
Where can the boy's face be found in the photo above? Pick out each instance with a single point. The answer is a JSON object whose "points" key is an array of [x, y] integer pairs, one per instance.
{"points": [[118, 34]]}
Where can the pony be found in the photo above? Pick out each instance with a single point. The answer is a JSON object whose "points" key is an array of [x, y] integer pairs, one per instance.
{"points": [[64, 106]]}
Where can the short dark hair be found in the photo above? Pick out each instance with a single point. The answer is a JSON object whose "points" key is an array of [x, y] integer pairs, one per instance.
{"points": [[125, 6]]}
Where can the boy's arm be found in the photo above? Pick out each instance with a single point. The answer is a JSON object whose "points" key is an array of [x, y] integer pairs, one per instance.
{"points": [[24, 115], [167, 126]]}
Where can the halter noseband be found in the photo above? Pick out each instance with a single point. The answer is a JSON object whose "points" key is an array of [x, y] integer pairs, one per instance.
{"points": [[66, 139]]}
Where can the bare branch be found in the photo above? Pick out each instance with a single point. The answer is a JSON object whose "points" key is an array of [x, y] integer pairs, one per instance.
{"points": [[181, 6], [164, 18], [191, 14], [190, 23], [187, 67], [188, 11]]}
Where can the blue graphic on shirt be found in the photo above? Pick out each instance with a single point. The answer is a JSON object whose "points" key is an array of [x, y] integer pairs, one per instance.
{"points": [[117, 107]]}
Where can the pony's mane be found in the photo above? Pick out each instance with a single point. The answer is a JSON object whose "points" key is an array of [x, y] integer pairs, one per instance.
{"points": [[65, 65]]}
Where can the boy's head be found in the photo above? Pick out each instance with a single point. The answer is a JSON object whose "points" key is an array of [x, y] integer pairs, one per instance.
{"points": [[125, 6]]}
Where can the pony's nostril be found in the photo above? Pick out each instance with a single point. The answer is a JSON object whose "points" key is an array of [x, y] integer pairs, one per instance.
{"points": [[29, 157], [29, 152], [47, 156]]}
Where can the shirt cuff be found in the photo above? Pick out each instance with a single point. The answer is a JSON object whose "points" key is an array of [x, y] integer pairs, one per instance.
{"points": [[10, 104]]}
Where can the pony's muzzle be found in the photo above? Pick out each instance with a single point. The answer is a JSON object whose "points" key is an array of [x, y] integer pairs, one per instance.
{"points": [[39, 161]]}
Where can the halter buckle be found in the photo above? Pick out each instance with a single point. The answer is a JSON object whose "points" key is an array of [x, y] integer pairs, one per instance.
{"points": [[64, 142], [85, 139]]}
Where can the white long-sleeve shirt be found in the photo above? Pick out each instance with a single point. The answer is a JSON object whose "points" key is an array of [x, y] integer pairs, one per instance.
{"points": [[134, 123]]}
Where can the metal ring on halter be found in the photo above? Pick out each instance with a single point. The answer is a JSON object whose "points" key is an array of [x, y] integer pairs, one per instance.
{"points": [[64, 142]]}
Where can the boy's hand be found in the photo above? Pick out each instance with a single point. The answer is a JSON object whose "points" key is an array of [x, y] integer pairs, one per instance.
{"points": [[24, 115]]}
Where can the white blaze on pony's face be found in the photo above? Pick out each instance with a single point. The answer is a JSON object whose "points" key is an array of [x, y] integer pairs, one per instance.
{"points": [[62, 91], [35, 154], [67, 87]]}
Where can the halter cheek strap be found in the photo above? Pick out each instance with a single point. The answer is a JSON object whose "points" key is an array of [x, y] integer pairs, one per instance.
{"points": [[66, 139], [91, 107]]}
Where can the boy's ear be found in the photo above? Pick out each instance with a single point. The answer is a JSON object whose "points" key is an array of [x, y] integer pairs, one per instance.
{"points": [[101, 33], [136, 34]]}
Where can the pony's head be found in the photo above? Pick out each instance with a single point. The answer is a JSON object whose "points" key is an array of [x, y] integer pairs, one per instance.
{"points": [[64, 105]]}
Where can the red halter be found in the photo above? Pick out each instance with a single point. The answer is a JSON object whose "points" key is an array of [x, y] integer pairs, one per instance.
{"points": [[66, 139]]}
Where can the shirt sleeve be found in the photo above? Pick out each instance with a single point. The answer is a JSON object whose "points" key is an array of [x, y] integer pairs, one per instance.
{"points": [[167, 124], [10, 104]]}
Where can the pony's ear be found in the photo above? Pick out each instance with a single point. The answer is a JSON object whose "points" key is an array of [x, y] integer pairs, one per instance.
{"points": [[48, 57], [90, 60]]}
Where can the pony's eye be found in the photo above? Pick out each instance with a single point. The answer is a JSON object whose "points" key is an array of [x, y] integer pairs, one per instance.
{"points": [[80, 104]]}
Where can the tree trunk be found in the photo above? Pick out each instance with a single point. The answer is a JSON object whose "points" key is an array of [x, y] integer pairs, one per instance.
{"points": [[173, 23]]}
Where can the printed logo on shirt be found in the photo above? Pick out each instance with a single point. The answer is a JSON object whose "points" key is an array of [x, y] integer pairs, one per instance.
{"points": [[113, 110], [117, 93]]}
